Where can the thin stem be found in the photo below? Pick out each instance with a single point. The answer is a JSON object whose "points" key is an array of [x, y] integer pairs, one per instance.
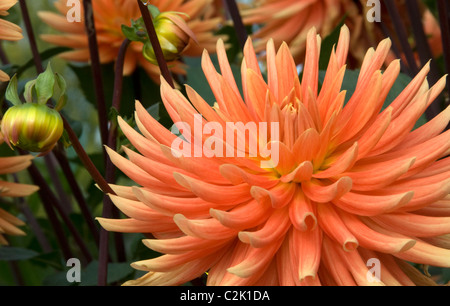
{"points": [[77, 193], [3, 57], [54, 203], [63, 198], [444, 18], [402, 35], [51, 214], [239, 27], [155, 43], [87, 162], [108, 207], [96, 69], [31, 37], [424, 51], [32, 222]]}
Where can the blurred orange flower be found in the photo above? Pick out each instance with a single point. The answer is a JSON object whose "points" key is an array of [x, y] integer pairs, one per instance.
{"points": [[8, 30], [111, 15], [354, 182], [289, 21], [9, 223]]}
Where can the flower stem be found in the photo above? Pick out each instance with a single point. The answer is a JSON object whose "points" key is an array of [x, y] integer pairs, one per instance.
{"points": [[31, 37], [108, 207], [424, 51], [96, 69], [239, 27], [155, 43], [444, 18], [402, 36]]}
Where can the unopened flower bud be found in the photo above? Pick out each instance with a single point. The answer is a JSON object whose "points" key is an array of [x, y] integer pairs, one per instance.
{"points": [[33, 127], [173, 36]]}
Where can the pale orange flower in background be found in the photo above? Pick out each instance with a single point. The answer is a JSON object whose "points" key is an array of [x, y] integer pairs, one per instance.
{"points": [[9, 223], [8, 30], [290, 20], [354, 181], [111, 15]]}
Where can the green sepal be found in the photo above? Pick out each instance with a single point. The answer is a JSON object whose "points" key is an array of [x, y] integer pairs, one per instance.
{"points": [[62, 99], [28, 91], [11, 91], [45, 84], [154, 11]]}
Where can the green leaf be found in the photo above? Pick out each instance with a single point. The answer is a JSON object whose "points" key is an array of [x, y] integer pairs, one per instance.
{"points": [[11, 92], [45, 84], [15, 253]]}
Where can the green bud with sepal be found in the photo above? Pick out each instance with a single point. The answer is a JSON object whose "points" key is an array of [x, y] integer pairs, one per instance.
{"points": [[35, 125]]}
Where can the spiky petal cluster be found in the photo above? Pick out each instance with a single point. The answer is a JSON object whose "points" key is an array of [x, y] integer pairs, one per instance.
{"points": [[354, 181], [8, 165], [109, 18]]}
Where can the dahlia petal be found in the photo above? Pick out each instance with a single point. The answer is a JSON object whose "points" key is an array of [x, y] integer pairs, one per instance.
{"points": [[256, 261], [273, 229], [149, 126], [311, 69], [168, 262], [287, 68], [414, 225], [370, 205], [177, 276], [319, 192], [181, 245], [59, 22], [145, 146], [378, 175], [205, 229], [335, 264], [15, 163], [170, 205], [237, 175], [138, 175], [10, 218], [136, 209], [410, 91], [307, 246], [136, 226], [10, 229], [424, 253], [10, 189], [243, 216], [333, 225], [374, 133], [425, 132], [303, 172], [208, 169], [372, 239], [302, 213], [278, 196], [235, 193], [342, 163]]}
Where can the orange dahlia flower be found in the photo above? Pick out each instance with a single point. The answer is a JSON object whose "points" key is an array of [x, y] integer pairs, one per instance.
{"points": [[8, 222], [353, 182], [109, 18]]}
